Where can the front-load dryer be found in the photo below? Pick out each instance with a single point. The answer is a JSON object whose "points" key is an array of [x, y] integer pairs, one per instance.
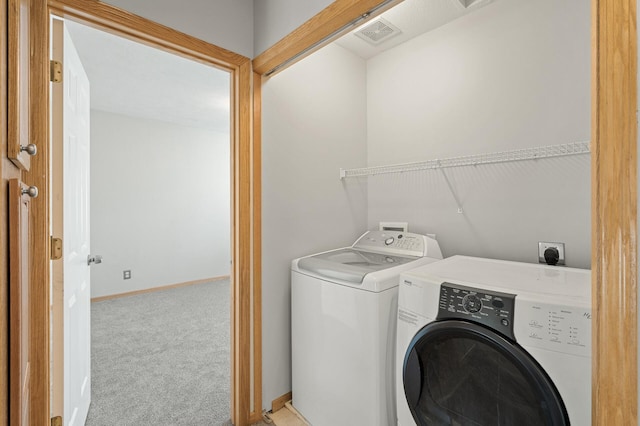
{"points": [[489, 342], [343, 321]]}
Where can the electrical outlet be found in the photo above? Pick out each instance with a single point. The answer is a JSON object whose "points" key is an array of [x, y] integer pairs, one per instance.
{"points": [[126, 275], [543, 246]]}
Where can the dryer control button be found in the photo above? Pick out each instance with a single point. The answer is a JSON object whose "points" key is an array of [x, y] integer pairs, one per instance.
{"points": [[497, 303], [472, 303], [389, 241]]}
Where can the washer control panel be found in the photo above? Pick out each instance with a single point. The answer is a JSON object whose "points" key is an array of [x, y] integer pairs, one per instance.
{"points": [[489, 308], [394, 242]]}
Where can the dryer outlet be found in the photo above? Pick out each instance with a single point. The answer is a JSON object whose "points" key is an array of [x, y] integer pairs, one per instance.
{"points": [[543, 246]]}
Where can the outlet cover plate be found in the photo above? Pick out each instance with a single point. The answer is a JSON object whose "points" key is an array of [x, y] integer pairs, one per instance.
{"points": [[126, 275], [544, 245]]}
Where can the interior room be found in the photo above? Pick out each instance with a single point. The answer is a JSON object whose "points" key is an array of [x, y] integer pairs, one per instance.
{"points": [[160, 226], [161, 122]]}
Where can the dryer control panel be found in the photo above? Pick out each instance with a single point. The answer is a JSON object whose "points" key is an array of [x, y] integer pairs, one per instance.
{"points": [[399, 243], [489, 308], [555, 327]]}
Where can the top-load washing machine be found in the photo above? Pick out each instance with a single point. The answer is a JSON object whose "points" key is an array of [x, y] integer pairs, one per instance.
{"points": [[488, 342], [343, 321]]}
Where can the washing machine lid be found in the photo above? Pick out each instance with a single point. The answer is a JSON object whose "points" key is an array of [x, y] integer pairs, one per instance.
{"points": [[349, 264]]}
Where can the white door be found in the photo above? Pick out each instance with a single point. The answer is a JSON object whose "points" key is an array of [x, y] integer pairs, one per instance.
{"points": [[71, 304]]}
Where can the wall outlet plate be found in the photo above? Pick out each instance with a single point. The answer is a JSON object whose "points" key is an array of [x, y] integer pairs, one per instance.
{"points": [[126, 275], [544, 245]]}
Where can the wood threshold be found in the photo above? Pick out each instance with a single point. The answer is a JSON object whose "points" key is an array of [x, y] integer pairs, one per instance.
{"points": [[159, 288]]}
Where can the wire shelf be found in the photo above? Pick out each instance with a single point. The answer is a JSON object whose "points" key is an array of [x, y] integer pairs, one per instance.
{"points": [[574, 148]]}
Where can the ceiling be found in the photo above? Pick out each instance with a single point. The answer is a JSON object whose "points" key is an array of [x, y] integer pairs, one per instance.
{"points": [[133, 79], [412, 18]]}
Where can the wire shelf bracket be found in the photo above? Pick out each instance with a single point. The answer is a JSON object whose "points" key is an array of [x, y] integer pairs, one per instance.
{"points": [[534, 153]]}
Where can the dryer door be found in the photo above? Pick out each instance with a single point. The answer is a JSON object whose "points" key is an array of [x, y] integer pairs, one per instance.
{"points": [[460, 373]]}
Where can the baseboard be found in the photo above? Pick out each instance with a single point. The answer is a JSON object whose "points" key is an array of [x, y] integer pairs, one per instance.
{"points": [[255, 418], [164, 287], [279, 402]]}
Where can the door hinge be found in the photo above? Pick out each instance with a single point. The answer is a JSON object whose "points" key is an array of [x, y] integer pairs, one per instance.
{"points": [[55, 71], [56, 248], [56, 421]]}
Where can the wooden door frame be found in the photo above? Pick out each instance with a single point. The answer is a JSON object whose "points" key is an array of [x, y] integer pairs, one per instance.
{"points": [[7, 170], [246, 368], [613, 186], [614, 258]]}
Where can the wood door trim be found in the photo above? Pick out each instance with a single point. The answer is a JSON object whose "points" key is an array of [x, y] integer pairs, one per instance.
{"points": [[244, 228], [256, 158], [5, 168], [614, 216], [18, 131], [115, 20], [242, 253], [39, 238], [19, 385], [324, 24]]}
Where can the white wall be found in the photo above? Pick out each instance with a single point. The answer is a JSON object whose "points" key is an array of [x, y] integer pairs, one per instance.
{"points": [[160, 203], [225, 23], [314, 122], [274, 19], [229, 23], [511, 75]]}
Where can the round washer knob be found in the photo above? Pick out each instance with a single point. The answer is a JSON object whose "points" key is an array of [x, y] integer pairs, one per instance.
{"points": [[389, 241]]}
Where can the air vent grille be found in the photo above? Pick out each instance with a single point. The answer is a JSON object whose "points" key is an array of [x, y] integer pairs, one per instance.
{"points": [[377, 31], [469, 3]]}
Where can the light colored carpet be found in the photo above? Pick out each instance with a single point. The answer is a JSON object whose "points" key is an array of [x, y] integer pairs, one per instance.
{"points": [[162, 358]]}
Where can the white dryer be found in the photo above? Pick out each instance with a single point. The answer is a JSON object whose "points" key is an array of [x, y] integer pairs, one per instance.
{"points": [[343, 322], [489, 342]]}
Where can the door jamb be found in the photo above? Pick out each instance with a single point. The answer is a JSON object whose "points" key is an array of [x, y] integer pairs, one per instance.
{"points": [[246, 368], [614, 194]]}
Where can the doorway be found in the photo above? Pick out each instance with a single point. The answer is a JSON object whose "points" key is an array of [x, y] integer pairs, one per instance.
{"points": [[160, 203]]}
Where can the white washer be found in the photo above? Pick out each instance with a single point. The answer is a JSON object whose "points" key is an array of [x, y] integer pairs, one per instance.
{"points": [[489, 342], [343, 321]]}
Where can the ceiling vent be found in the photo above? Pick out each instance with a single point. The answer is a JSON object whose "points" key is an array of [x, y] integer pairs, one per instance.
{"points": [[377, 31], [464, 4]]}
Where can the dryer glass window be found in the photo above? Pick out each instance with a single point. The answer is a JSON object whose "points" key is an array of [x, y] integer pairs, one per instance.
{"points": [[459, 373]]}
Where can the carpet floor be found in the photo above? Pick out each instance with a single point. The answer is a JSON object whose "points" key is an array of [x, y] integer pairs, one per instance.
{"points": [[162, 358]]}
